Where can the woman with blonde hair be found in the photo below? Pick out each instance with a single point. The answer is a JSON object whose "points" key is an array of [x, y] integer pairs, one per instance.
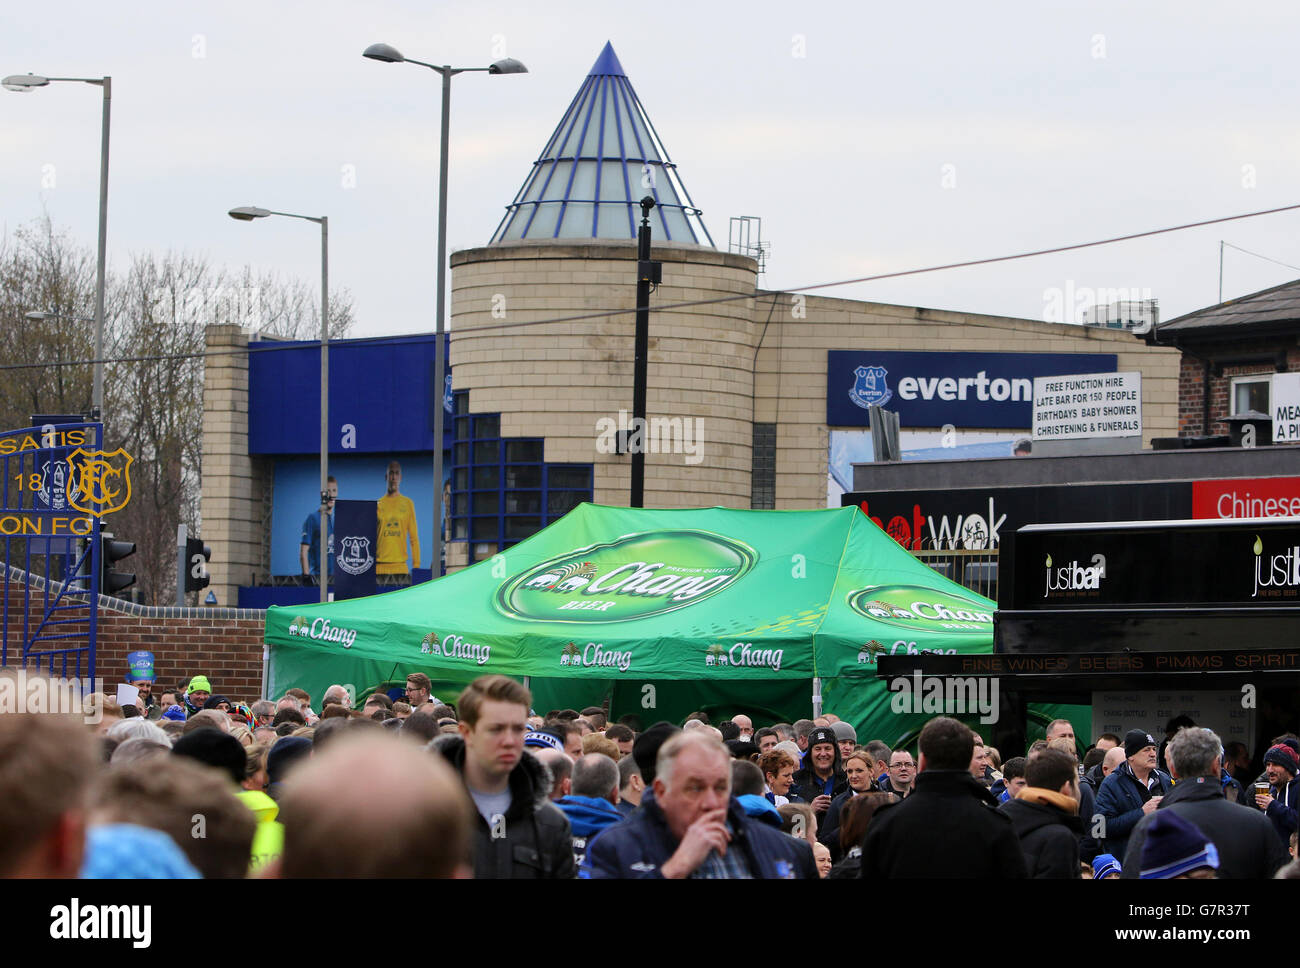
{"points": [[860, 768]]}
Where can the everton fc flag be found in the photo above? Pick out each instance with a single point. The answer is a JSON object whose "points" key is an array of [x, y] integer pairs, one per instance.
{"points": [[354, 548]]}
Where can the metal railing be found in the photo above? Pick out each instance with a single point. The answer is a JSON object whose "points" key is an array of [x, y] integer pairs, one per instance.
{"points": [[975, 569]]}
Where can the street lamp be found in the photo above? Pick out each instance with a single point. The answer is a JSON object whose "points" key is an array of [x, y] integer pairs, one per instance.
{"points": [[37, 316], [247, 213], [390, 55], [24, 83]]}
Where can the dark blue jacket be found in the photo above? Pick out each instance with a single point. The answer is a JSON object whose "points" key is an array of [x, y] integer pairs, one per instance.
{"points": [[639, 846], [1282, 814], [1120, 801]]}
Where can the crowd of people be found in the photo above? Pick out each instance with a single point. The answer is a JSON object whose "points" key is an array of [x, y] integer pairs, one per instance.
{"points": [[190, 783]]}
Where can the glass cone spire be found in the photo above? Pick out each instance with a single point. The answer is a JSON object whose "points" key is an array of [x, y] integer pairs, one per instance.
{"points": [[603, 158]]}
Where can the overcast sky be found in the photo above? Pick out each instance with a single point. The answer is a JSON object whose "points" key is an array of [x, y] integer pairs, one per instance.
{"points": [[836, 123]]}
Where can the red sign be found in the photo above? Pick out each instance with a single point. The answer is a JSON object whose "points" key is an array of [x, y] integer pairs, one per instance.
{"points": [[1261, 497]]}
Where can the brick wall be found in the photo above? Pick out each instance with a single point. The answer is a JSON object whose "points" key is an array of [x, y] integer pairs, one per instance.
{"points": [[1192, 382], [225, 644]]}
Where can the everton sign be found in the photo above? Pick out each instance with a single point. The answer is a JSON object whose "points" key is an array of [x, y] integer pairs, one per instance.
{"points": [[966, 390]]}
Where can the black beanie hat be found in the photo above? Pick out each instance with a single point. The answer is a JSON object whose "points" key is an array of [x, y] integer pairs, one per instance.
{"points": [[287, 751], [645, 749], [822, 734], [215, 748], [1136, 740]]}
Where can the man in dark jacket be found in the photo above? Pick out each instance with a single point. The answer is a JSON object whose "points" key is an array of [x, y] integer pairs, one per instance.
{"points": [[1244, 839], [949, 826], [1282, 765], [519, 832], [1045, 816], [689, 826], [1132, 790], [822, 778]]}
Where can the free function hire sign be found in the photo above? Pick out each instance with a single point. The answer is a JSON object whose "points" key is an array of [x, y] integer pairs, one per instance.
{"points": [[1088, 405]]}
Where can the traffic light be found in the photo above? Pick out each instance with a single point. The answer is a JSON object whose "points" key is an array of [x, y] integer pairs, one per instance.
{"points": [[197, 556], [111, 551]]}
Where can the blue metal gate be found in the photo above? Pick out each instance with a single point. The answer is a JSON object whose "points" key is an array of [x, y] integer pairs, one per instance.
{"points": [[51, 549]]}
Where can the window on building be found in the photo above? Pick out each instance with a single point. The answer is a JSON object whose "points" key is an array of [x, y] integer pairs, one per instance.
{"points": [[1251, 393], [762, 493], [502, 490]]}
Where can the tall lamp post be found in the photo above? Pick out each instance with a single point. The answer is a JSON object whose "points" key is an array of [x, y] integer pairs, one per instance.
{"points": [[390, 55], [246, 214], [28, 82]]}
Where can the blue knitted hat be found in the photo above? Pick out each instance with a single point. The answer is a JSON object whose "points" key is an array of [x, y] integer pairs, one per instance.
{"points": [[1175, 846], [1104, 866]]}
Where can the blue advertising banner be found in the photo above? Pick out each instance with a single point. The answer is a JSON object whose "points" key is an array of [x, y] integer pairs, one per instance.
{"points": [[970, 390], [382, 397], [355, 543]]}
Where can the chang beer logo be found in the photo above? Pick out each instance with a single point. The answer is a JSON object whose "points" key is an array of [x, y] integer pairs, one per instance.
{"points": [[918, 609], [320, 629], [431, 645], [633, 577], [867, 654], [744, 654], [595, 654]]}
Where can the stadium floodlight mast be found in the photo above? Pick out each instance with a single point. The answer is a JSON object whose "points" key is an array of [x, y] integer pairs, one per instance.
{"points": [[24, 83], [247, 213], [390, 55]]}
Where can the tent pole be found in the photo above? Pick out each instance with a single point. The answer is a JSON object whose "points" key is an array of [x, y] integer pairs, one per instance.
{"points": [[817, 697], [266, 669]]}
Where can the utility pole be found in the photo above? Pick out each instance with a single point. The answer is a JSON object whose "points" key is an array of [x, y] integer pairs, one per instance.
{"points": [[648, 274]]}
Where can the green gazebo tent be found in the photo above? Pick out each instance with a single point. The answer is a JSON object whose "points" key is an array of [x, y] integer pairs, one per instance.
{"points": [[660, 612]]}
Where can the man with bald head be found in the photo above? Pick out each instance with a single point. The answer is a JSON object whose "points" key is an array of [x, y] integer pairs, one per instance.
{"points": [[689, 825], [371, 806], [746, 727], [337, 694], [1114, 757]]}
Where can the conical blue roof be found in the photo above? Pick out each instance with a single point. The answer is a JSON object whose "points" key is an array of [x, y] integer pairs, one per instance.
{"points": [[604, 157]]}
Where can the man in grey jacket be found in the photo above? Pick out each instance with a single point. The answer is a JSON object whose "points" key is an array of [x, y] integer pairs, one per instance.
{"points": [[1247, 845]]}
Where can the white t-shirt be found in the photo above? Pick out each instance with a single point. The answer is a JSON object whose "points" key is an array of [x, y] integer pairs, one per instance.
{"points": [[491, 805]]}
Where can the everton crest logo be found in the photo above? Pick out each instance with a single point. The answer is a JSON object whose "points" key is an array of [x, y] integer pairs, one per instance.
{"points": [[354, 556], [55, 483], [871, 388]]}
